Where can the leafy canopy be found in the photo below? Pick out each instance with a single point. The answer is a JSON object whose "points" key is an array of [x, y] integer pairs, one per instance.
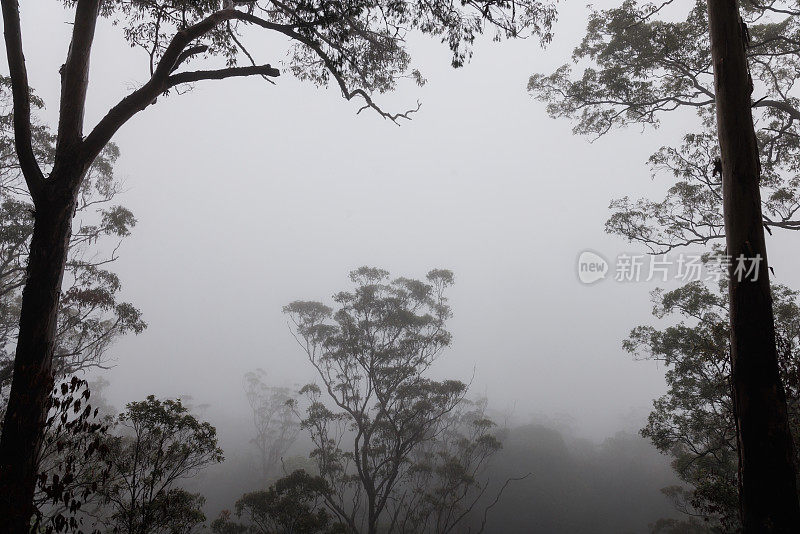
{"points": [[157, 444], [393, 445], [642, 60], [693, 421], [360, 45]]}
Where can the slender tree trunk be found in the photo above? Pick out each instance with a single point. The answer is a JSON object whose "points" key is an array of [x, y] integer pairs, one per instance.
{"points": [[32, 381], [768, 491]]}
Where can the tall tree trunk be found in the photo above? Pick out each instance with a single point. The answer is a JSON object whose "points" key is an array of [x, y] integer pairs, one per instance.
{"points": [[33, 376], [768, 491]]}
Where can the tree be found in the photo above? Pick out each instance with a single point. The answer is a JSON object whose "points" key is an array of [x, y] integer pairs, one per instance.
{"points": [[647, 68], [159, 443], [694, 421], [292, 505], [274, 420], [643, 67], [767, 462], [90, 316], [359, 45], [385, 434]]}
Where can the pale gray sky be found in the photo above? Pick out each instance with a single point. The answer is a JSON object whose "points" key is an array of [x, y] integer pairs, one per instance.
{"points": [[250, 196]]}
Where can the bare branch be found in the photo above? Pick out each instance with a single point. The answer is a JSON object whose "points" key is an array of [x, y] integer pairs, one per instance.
{"points": [[188, 53], [221, 74], [497, 498]]}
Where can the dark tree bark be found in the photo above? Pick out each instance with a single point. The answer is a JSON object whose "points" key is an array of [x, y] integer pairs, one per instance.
{"points": [[33, 376], [54, 202], [768, 491]]}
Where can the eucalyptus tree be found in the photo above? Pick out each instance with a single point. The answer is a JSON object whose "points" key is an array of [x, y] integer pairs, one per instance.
{"points": [[90, 316], [446, 484], [644, 63], [643, 67], [292, 505], [397, 449], [694, 421], [358, 46], [156, 444], [274, 421]]}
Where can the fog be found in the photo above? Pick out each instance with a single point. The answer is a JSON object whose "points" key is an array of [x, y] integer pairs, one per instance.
{"points": [[249, 196]]}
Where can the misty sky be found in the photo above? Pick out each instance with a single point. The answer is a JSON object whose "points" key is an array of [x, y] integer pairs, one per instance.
{"points": [[250, 195]]}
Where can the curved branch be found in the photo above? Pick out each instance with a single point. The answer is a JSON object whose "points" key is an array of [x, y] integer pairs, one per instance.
{"points": [[347, 93], [498, 497], [157, 84], [779, 105], [188, 53]]}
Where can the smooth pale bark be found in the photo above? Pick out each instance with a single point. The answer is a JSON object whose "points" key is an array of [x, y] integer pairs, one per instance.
{"points": [[768, 490]]}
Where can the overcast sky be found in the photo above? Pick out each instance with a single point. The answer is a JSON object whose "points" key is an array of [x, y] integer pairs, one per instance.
{"points": [[250, 195]]}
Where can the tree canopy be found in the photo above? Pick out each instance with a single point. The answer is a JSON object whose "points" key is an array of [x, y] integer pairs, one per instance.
{"points": [[694, 421], [393, 445], [157, 443], [642, 60]]}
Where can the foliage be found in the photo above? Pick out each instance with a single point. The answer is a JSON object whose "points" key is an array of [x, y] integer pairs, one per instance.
{"points": [[293, 504], [224, 524], [158, 444], [274, 421], [443, 484], [90, 315], [358, 44], [70, 461], [694, 421], [377, 441], [647, 59]]}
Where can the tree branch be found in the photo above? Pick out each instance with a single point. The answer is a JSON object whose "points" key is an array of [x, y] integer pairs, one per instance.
{"points": [[498, 497], [22, 99], [780, 105], [74, 82], [157, 84], [162, 78], [221, 74], [347, 93], [188, 53]]}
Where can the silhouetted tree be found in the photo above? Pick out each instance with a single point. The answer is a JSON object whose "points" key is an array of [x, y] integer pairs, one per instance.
{"points": [[358, 45], [292, 505], [158, 444], [275, 423], [390, 446], [90, 316], [694, 421], [642, 66]]}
